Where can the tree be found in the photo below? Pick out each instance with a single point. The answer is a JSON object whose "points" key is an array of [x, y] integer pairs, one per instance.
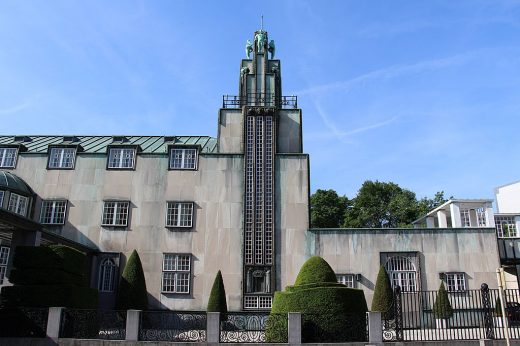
{"points": [[380, 204], [217, 298], [132, 292], [327, 209], [442, 307], [383, 294], [427, 204]]}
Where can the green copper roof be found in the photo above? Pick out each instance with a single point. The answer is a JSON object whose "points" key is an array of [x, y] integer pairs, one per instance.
{"points": [[98, 144], [9, 181]]}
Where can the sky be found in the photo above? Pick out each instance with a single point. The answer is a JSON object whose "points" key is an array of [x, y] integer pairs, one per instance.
{"points": [[425, 94]]}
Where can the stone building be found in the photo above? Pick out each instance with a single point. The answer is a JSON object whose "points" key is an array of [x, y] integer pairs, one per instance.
{"points": [[191, 206]]}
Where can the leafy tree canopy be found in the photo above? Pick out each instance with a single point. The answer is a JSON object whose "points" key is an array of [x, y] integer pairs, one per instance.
{"points": [[327, 209]]}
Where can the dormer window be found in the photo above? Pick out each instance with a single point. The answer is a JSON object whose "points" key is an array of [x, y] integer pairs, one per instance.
{"points": [[61, 158], [18, 204], [183, 158], [121, 158], [8, 157]]}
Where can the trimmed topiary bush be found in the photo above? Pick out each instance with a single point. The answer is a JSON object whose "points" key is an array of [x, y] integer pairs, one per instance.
{"points": [[383, 294], [49, 276], [442, 307], [217, 298], [132, 292], [327, 306]]}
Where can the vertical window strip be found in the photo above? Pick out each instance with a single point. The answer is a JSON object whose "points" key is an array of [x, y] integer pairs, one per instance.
{"points": [[107, 275], [1, 198], [4, 258]]}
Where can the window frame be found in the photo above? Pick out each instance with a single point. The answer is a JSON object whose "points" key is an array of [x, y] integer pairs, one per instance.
{"points": [[4, 148], [183, 167], [121, 148], [116, 211], [4, 260], [63, 148], [174, 280], [112, 275], [53, 212], [179, 209], [409, 276], [346, 282], [2, 194], [457, 278], [20, 197], [500, 221]]}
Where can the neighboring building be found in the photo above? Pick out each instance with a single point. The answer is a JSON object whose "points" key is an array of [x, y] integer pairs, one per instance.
{"points": [[239, 203]]}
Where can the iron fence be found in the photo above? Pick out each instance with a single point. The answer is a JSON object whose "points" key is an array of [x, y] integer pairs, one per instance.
{"points": [[93, 324], [173, 326], [260, 99], [253, 327], [23, 322]]}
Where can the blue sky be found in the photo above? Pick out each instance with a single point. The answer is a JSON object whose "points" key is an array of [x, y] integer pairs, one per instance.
{"points": [[422, 93]]}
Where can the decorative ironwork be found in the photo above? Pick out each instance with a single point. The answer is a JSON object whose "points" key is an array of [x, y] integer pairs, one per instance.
{"points": [[260, 99], [251, 327], [173, 326], [93, 324], [486, 305], [346, 327], [393, 318], [23, 322]]}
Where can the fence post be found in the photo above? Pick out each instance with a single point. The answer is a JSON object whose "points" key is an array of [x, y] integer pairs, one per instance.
{"points": [[486, 305], [213, 327], [398, 314], [132, 324], [294, 328], [375, 331], [54, 322]]}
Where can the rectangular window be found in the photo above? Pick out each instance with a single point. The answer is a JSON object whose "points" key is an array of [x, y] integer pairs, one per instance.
{"points": [[53, 212], [115, 213], [4, 257], [1, 198], [465, 218], [18, 204], [176, 274], [120, 158], [346, 279], [506, 227], [179, 214], [8, 157], [455, 282], [62, 158], [183, 158], [481, 217]]}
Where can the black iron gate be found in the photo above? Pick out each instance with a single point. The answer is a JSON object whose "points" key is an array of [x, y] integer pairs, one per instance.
{"points": [[393, 318]]}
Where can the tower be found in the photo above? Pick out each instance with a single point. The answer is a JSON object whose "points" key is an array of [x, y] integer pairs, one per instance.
{"points": [[263, 125]]}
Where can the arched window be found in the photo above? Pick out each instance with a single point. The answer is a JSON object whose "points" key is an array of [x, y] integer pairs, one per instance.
{"points": [[107, 272], [402, 272]]}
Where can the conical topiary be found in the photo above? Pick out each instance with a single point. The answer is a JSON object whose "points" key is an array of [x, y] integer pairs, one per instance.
{"points": [[383, 294], [217, 298], [132, 292], [442, 307]]}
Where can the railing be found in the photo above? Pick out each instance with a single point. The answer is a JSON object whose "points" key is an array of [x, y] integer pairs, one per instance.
{"points": [[251, 327], [93, 324], [23, 322], [260, 99], [173, 326]]}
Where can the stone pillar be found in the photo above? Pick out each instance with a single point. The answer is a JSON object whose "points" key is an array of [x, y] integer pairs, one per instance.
{"points": [[213, 327], [54, 322], [441, 217], [430, 222], [132, 324], [294, 328], [455, 216], [490, 216], [375, 330]]}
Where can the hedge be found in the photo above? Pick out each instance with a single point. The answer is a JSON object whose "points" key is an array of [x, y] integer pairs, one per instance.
{"points": [[132, 292], [50, 295], [74, 261], [35, 276], [217, 298], [40, 257], [326, 306]]}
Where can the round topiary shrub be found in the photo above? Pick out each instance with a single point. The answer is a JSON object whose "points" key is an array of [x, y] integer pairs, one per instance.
{"points": [[331, 311], [217, 298]]}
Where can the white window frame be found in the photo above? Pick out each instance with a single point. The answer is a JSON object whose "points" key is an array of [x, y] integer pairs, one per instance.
{"points": [[509, 221], [465, 218], [348, 280], [455, 282], [4, 158], [117, 159], [53, 212], [176, 273], [107, 274], [481, 217], [183, 162], [62, 158], [402, 271], [115, 213], [179, 214], [18, 204], [4, 259]]}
